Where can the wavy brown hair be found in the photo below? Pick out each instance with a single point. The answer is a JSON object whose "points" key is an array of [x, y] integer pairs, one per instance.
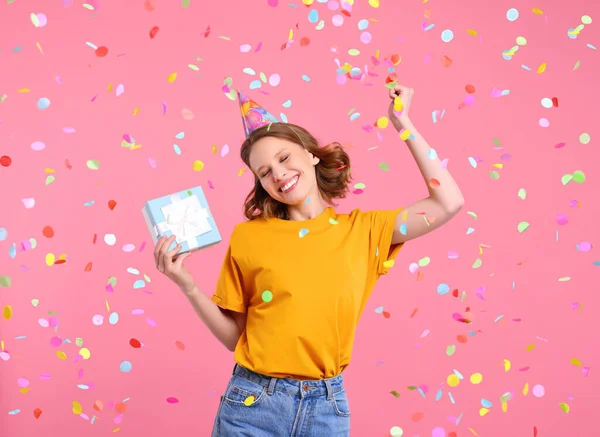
{"points": [[332, 171]]}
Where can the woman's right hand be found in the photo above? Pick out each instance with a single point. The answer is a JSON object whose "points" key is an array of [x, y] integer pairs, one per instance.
{"points": [[171, 265]]}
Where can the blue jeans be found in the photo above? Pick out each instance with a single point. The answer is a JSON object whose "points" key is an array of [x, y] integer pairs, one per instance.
{"points": [[256, 405]]}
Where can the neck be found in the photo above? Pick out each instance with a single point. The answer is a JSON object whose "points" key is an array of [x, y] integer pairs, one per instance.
{"points": [[307, 210]]}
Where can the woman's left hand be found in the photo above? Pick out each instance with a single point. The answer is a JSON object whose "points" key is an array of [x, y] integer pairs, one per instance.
{"points": [[400, 106]]}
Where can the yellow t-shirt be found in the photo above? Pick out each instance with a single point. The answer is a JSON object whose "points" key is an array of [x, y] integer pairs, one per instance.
{"points": [[304, 285]]}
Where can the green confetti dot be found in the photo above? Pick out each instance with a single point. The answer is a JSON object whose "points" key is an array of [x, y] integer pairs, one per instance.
{"points": [[93, 164], [267, 296], [564, 279], [472, 214], [384, 166], [522, 194], [566, 179], [584, 138], [424, 261], [522, 227], [5, 281], [494, 175], [333, 221], [395, 393], [359, 186], [450, 350], [478, 262], [564, 407], [49, 180], [578, 176], [354, 52], [185, 3]]}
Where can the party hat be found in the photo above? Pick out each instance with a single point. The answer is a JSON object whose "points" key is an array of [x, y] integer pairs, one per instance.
{"points": [[253, 115]]}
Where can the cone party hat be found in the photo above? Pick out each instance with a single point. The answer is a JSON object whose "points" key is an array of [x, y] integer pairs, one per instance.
{"points": [[254, 116]]}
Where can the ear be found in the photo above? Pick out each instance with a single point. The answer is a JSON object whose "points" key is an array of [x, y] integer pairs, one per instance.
{"points": [[313, 159]]}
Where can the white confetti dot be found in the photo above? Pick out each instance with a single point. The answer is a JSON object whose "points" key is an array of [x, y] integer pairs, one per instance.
{"points": [[98, 320], [547, 102], [544, 122], [337, 20], [274, 79], [29, 202], [447, 35], [110, 239], [37, 146]]}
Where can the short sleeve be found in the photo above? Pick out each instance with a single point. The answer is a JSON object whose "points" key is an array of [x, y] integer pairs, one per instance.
{"points": [[229, 292], [381, 249]]}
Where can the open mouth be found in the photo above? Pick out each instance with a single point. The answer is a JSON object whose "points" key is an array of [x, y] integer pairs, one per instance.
{"points": [[289, 186]]}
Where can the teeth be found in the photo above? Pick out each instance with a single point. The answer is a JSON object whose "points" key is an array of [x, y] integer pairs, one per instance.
{"points": [[289, 184]]}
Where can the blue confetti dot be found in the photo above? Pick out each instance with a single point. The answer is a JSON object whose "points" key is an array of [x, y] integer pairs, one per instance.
{"points": [[443, 289], [570, 33], [447, 35], [313, 16], [303, 232], [3, 234], [363, 24], [43, 103], [125, 366], [113, 318], [512, 14]]}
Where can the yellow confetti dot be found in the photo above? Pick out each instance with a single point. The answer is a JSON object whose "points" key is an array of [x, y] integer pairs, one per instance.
{"points": [[50, 258], [374, 3], [575, 362], [504, 406], [171, 78], [198, 165], [476, 378], [382, 123], [398, 105], [472, 32], [241, 172], [61, 355], [85, 353], [506, 365], [135, 111], [77, 408], [526, 389], [453, 380], [530, 347], [483, 411], [248, 401], [404, 135], [308, 2], [541, 68], [7, 313], [564, 407], [389, 263], [537, 11]]}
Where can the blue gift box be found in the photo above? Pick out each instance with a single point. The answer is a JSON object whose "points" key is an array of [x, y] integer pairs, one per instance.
{"points": [[185, 214]]}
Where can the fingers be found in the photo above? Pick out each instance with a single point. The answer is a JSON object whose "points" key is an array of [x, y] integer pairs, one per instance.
{"points": [[161, 252], [180, 259], [171, 254]]}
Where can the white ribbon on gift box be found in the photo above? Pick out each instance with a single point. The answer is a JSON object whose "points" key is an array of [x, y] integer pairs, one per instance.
{"points": [[186, 219]]}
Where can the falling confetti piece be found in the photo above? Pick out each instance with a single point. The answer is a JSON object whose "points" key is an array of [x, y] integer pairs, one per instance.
{"points": [[172, 77], [101, 52], [153, 32], [523, 226], [93, 164]]}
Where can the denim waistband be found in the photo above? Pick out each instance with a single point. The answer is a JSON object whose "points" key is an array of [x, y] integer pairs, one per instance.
{"points": [[303, 388]]}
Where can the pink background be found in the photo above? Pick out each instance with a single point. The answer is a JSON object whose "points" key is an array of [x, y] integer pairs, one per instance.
{"points": [[524, 315]]}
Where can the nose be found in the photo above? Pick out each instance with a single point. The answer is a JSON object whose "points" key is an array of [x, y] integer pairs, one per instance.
{"points": [[279, 173]]}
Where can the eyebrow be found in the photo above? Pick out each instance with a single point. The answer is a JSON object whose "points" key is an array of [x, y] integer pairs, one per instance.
{"points": [[276, 155]]}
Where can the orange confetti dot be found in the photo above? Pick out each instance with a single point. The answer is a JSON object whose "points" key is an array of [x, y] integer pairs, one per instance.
{"points": [[135, 343], [304, 41], [153, 32], [470, 89], [391, 78], [150, 5], [452, 434], [98, 406], [88, 267], [417, 416], [386, 315], [48, 232], [396, 59], [120, 407], [434, 183], [461, 338], [37, 413], [446, 61], [414, 312], [180, 345], [101, 52], [68, 164], [112, 204]]}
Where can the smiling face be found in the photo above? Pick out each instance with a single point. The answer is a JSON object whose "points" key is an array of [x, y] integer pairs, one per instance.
{"points": [[285, 169]]}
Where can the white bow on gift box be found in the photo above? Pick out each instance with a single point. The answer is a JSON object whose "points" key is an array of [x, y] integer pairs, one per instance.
{"points": [[186, 219]]}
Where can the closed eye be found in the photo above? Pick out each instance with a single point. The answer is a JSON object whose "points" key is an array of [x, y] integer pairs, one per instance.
{"points": [[266, 173]]}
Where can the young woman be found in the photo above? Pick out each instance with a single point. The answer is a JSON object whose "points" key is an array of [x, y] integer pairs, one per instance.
{"points": [[297, 274]]}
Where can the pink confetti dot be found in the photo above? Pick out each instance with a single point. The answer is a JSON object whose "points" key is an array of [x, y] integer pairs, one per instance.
{"points": [[469, 100], [562, 219], [584, 246], [42, 20], [539, 391], [273, 3], [55, 341], [333, 5], [438, 432], [172, 400], [337, 20], [366, 37], [23, 383], [544, 122], [37, 146]]}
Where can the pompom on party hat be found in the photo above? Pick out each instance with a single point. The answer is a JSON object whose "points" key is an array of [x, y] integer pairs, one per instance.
{"points": [[254, 116]]}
